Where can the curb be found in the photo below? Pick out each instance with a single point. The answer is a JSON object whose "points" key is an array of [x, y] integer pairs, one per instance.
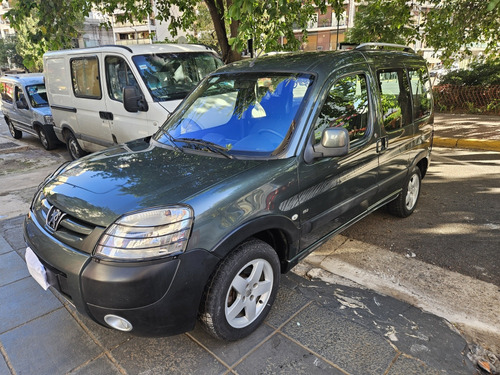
{"points": [[474, 144]]}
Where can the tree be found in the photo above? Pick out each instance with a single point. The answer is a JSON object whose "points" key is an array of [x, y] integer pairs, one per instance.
{"points": [[454, 26], [388, 21], [43, 25], [8, 53]]}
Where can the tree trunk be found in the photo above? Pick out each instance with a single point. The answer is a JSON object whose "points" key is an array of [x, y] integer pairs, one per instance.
{"points": [[217, 13]]}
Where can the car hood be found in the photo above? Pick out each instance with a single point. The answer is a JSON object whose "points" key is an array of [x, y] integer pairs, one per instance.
{"points": [[103, 186], [42, 110]]}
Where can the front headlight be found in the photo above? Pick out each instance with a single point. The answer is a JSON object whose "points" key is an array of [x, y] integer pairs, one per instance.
{"points": [[147, 234], [48, 119]]}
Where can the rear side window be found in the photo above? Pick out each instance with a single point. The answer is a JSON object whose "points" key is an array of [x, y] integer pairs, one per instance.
{"points": [[7, 92], [395, 99], [85, 77], [421, 92], [347, 106]]}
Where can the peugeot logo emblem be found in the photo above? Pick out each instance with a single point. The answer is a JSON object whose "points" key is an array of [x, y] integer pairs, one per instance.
{"points": [[54, 217]]}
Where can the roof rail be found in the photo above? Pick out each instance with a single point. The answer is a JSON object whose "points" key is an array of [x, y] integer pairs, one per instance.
{"points": [[369, 46]]}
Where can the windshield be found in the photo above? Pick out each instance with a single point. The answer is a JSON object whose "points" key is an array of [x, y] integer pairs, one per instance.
{"points": [[250, 114], [171, 76], [37, 95]]}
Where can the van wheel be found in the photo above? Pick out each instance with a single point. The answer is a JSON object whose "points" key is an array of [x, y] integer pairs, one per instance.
{"points": [[405, 203], [74, 149], [17, 134], [242, 291], [46, 138]]}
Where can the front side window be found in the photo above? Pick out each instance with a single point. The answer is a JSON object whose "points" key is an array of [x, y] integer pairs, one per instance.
{"points": [[37, 95], [245, 114], [85, 77], [395, 99], [421, 92], [170, 76], [347, 106], [118, 76]]}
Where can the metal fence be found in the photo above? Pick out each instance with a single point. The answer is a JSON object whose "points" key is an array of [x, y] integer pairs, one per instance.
{"points": [[469, 99]]}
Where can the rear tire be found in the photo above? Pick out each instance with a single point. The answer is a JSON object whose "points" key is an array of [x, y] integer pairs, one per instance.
{"points": [[406, 202], [17, 134], [242, 291], [74, 149]]}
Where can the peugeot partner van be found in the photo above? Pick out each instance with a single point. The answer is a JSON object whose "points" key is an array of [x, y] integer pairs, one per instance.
{"points": [[25, 107], [113, 94], [260, 165]]}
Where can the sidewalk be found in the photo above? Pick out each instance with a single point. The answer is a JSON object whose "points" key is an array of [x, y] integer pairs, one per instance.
{"points": [[314, 327]]}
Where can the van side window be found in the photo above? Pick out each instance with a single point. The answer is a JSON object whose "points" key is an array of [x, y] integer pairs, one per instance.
{"points": [[421, 92], [7, 92], [347, 105], [85, 77], [118, 75], [395, 97]]}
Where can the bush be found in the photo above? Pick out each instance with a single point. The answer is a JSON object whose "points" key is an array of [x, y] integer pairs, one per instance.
{"points": [[478, 74]]}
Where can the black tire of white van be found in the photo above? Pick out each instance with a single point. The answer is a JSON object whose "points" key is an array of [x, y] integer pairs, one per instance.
{"points": [[16, 134], [47, 137], [74, 149], [258, 291], [406, 202]]}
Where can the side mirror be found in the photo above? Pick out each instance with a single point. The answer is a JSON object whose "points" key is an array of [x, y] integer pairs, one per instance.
{"points": [[334, 142], [22, 103], [134, 101]]}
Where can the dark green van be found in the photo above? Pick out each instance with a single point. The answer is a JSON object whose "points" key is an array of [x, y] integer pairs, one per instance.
{"points": [[262, 163]]}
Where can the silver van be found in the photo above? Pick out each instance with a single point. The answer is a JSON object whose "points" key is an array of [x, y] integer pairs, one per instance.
{"points": [[25, 107]]}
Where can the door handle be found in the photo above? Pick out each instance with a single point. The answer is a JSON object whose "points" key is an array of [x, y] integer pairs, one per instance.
{"points": [[106, 115], [382, 144]]}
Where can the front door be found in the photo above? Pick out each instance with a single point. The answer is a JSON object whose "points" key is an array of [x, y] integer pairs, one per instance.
{"points": [[336, 190], [124, 126]]}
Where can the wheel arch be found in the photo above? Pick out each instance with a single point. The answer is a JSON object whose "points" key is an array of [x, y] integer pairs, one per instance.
{"points": [[277, 231]]}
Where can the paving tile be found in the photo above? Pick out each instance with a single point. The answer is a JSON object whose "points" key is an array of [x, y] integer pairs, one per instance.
{"points": [[100, 366], [107, 337], [12, 268], [231, 352], [279, 355], [406, 365], [287, 303], [23, 301], [52, 344], [4, 246], [4, 369], [347, 344], [169, 355]]}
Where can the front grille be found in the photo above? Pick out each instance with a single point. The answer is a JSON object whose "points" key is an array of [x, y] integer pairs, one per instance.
{"points": [[72, 231]]}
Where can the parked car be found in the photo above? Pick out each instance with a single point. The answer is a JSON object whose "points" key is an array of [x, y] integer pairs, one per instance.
{"points": [[261, 164], [113, 94], [25, 107]]}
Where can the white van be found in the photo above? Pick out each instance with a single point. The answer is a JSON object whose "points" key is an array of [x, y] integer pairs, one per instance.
{"points": [[112, 94]]}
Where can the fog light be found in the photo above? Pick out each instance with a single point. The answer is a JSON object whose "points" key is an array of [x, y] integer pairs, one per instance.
{"points": [[118, 323]]}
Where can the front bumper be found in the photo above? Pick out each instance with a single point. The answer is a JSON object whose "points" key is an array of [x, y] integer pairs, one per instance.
{"points": [[159, 298]]}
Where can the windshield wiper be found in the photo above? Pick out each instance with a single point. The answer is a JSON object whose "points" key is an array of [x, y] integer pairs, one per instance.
{"points": [[172, 140], [214, 147]]}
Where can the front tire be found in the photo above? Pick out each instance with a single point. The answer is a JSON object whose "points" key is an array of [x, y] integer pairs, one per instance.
{"points": [[242, 291], [406, 202], [16, 134], [47, 138], [74, 149]]}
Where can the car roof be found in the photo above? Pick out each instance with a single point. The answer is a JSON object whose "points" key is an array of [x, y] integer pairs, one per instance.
{"points": [[322, 63], [25, 78], [134, 49]]}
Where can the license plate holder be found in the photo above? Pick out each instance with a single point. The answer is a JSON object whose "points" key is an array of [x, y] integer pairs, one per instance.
{"points": [[36, 268]]}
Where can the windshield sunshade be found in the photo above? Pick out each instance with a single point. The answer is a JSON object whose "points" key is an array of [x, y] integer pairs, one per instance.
{"points": [[244, 113]]}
